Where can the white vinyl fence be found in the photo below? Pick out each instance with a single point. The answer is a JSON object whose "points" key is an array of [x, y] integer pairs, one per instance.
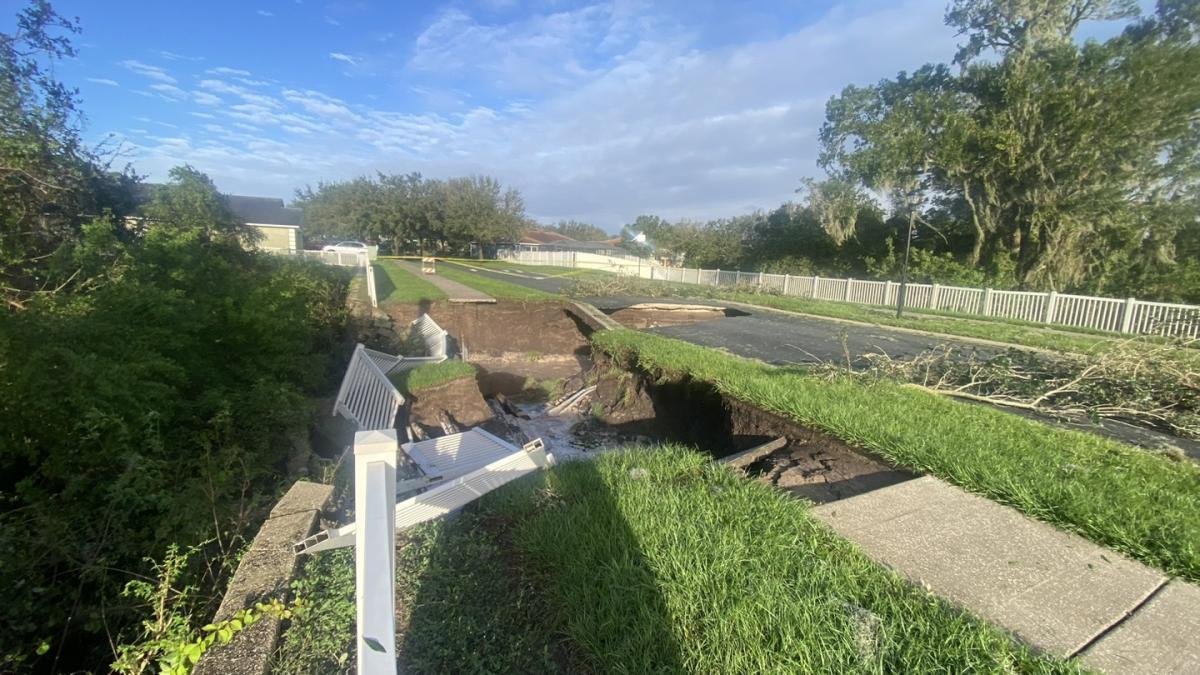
{"points": [[1127, 315], [340, 259]]}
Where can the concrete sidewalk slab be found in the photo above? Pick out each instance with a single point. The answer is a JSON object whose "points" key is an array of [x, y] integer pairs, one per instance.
{"points": [[1052, 589], [1160, 637], [454, 291]]}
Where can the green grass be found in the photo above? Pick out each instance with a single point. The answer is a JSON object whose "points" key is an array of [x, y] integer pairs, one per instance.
{"points": [[460, 611], [320, 638], [501, 290], [395, 285], [544, 270], [1143, 505], [432, 375], [656, 560]]}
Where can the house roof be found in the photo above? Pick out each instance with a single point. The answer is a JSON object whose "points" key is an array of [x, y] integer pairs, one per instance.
{"points": [[572, 245], [544, 237], [263, 210], [255, 210]]}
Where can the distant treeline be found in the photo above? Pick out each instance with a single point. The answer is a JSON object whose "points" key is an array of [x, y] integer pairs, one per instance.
{"points": [[408, 213]]}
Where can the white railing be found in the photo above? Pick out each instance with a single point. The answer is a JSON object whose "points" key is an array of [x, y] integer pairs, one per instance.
{"points": [[367, 397], [375, 550], [369, 272], [1127, 315]]}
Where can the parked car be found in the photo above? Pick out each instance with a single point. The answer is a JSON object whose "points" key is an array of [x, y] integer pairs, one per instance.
{"points": [[346, 247]]}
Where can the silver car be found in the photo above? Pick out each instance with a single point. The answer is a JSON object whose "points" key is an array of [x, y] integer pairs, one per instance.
{"points": [[346, 247]]}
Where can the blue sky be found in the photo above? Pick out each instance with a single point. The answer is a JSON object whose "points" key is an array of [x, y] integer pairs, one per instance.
{"points": [[595, 111]]}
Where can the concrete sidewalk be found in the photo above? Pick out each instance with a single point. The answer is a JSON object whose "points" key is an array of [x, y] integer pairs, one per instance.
{"points": [[1052, 589], [455, 291]]}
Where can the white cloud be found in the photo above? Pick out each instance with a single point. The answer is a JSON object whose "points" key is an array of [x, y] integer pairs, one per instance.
{"points": [[540, 52], [345, 58], [148, 71], [610, 112], [205, 98], [169, 91], [263, 12], [224, 70], [104, 80], [172, 56]]}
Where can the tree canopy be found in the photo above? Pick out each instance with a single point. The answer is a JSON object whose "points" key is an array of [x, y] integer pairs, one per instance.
{"points": [[412, 213], [1069, 164]]}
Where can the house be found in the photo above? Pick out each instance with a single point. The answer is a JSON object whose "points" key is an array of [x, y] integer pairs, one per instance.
{"points": [[541, 240], [278, 224]]}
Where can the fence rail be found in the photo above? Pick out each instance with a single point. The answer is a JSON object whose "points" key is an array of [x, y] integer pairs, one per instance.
{"points": [[367, 397], [1128, 315]]}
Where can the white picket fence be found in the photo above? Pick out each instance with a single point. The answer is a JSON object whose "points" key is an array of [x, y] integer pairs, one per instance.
{"points": [[1128, 315]]}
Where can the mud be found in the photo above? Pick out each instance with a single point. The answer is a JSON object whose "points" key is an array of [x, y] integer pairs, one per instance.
{"points": [[657, 315], [458, 403], [520, 375]]}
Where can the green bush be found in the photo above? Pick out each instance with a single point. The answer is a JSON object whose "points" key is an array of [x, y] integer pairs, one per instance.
{"points": [[151, 410]]}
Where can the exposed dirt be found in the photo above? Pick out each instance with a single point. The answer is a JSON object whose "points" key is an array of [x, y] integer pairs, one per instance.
{"points": [[514, 374], [813, 465], [656, 315], [504, 327], [458, 402]]}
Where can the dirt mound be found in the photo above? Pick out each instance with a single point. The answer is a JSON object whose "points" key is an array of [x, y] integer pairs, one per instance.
{"points": [[457, 402]]}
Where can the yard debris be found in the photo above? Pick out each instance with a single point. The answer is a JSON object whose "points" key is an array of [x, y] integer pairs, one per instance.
{"points": [[1139, 381]]}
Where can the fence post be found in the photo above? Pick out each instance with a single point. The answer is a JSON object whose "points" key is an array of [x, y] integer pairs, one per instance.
{"points": [[986, 304], [846, 294], [1127, 315], [787, 281], [375, 549], [887, 293], [934, 296], [717, 277], [816, 280], [1048, 310], [760, 279]]}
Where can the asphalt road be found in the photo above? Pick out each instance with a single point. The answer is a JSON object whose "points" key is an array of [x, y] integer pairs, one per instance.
{"points": [[775, 338]]}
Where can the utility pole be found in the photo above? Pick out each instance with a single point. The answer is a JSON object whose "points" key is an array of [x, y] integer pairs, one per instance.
{"points": [[912, 217]]}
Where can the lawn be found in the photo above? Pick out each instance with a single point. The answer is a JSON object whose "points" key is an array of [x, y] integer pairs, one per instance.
{"points": [[432, 375], [657, 560], [543, 270], [1144, 505], [395, 285], [501, 290]]}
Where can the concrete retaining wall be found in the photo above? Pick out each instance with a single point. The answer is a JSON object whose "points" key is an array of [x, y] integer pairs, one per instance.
{"points": [[266, 571]]}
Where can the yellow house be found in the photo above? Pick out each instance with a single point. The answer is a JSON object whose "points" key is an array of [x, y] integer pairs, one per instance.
{"points": [[278, 224]]}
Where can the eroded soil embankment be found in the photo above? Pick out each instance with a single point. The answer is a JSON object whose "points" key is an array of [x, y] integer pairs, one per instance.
{"points": [[515, 344], [813, 464]]}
